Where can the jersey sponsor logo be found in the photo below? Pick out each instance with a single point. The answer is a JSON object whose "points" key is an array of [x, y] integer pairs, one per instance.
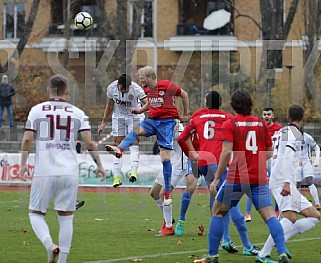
{"points": [[248, 124], [213, 115], [123, 103], [49, 107], [156, 100]]}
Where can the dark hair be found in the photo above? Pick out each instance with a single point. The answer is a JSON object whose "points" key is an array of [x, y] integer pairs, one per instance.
{"points": [[124, 80], [213, 100], [241, 102], [268, 109], [58, 84], [296, 112]]}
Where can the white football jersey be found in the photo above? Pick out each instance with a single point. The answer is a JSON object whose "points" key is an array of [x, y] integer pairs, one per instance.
{"points": [[307, 143], [289, 136], [124, 102], [56, 124], [178, 158]]}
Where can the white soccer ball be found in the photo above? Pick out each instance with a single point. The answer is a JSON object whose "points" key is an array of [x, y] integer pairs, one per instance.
{"points": [[83, 20]]}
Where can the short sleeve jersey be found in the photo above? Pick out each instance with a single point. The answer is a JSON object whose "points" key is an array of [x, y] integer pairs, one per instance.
{"points": [[288, 137], [194, 137], [207, 123], [56, 124], [307, 143], [274, 128], [162, 100], [251, 139], [124, 102]]}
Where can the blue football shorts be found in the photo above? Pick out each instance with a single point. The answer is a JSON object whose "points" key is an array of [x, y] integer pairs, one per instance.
{"points": [[162, 128], [208, 171], [230, 194]]}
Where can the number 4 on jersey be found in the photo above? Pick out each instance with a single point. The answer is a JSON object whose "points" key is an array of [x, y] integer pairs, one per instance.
{"points": [[250, 144]]}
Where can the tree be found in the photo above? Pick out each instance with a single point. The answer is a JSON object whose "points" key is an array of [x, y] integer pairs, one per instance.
{"points": [[272, 28], [120, 31], [312, 17], [24, 37]]}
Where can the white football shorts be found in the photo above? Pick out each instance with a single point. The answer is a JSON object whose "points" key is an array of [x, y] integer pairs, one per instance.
{"points": [[303, 171], [62, 188], [176, 177], [294, 202], [122, 126]]}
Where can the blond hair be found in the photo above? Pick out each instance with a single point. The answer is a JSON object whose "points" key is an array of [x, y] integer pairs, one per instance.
{"points": [[147, 71]]}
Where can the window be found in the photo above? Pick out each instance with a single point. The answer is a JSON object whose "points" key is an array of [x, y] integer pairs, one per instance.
{"points": [[193, 13], [14, 19], [58, 7], [146, 19], [58, 14]]}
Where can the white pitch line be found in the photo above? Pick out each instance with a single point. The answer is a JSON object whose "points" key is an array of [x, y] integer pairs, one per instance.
{"points": [[189, 252]]}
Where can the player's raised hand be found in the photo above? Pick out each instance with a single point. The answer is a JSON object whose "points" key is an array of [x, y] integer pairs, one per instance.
{"points": [[102, 126]]}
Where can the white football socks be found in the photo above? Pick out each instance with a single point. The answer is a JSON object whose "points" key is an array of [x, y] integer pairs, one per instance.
{"points": [[134, 157], [168, 215], [117, 165], [41, 229], [65, 236], [159, 203], [269, 244], [314, 194], [300, 226]]}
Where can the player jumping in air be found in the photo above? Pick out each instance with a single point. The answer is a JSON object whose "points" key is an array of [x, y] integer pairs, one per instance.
{"points": [[160, 122]]}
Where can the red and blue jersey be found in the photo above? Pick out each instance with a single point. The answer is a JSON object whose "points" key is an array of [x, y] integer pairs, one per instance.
{"points": [[251, 139], [162, 100]]}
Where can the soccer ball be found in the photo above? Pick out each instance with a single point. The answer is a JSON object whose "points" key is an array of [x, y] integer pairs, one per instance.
{"points": [[83, 20]]}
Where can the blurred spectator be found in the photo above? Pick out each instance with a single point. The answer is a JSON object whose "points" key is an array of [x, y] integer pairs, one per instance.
{"points": [[6, 93]]}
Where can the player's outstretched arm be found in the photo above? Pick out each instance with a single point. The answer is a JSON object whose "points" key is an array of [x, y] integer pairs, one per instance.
{"points": [[26, 145], [93, 151], [317, 155], [142, 109], [107, 113], [185, 101]]}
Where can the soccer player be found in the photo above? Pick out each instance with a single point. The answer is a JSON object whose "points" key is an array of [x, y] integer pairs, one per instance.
{"points": [[207, 124], [305, 170], [246, 142], [192, 173], [55, 125], [160, 122], [283, 182], [123, 95], [178, 160], [268, 116]]}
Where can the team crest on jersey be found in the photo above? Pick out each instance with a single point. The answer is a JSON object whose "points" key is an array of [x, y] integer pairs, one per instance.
{"points": [[130, 97], [161, 93]]}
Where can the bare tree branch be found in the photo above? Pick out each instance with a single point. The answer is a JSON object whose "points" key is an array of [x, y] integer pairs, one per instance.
{"points": [[249, 17], [290, 17], [231, 3]]}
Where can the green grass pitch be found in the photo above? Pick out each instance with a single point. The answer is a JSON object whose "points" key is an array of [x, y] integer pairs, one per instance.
{"points": [[121, 227]]}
